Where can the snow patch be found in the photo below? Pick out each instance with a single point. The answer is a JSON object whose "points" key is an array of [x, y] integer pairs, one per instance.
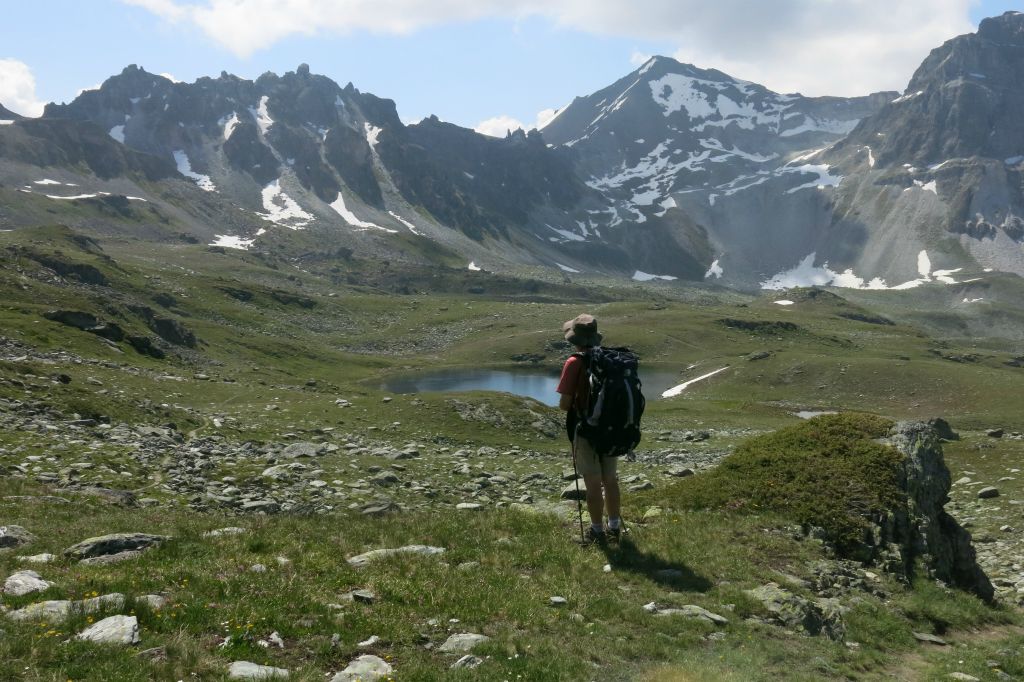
{"points": [[825, 125], [806, 274], [412, 228], [473, 266], [641, 276], [185, 168], [77, 196], [566, 234], [565, 268], [230, 242], [261, 115], [926, 186], [372, 132], [228, 123], [714, 271], [908, 97], [825, 178], [676, 390], [6, 122], [924, 264], [117, 132], [339, 207], [783, 302], [282, 209], [46, 181]]}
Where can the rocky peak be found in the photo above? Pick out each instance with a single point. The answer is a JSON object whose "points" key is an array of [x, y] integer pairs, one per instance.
{"points": [[8, 115]]}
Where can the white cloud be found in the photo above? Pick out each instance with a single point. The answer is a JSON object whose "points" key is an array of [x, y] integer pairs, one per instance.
{"points": [[638, 58], [18, 88], [811, 46], [499, 126]]}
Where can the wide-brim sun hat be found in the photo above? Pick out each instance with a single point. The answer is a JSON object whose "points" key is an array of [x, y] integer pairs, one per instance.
{"points": [[582, 331]]}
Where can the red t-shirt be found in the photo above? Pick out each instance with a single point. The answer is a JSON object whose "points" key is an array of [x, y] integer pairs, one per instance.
{"points": [[573, 381]]}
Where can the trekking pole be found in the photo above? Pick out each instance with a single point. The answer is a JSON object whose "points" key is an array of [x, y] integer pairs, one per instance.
{"points": [[579, 502]]}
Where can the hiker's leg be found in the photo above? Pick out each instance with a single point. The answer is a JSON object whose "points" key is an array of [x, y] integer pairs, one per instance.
{"points": [[610, 482], [588, 465], [595, 501]]}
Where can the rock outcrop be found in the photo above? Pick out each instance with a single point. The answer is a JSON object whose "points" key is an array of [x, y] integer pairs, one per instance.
{"points": [[923, 533]]}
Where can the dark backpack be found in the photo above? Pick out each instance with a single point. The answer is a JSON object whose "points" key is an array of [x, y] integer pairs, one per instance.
{"points": [[612, 421]]}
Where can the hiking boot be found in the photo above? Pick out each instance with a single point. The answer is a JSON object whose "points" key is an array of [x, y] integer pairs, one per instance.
{"points": [[596, 537], [615, 533]]}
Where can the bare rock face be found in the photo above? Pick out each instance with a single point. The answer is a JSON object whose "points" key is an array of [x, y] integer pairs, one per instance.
{"points": [[923, 532], [114, 543]]}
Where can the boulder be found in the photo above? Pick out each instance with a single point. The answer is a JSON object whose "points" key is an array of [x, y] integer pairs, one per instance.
{"points": [[114, 543], [988, 493], [244, 670], [296, 450], [113, 630], [25, 582], [820, 617], [462, 643], [365, 668], [59, 610], [14, 536], [923, 532], [571, 492], [377, 554]]}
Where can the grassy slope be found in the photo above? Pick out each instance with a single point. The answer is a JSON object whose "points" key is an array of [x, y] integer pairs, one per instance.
{"points": [[261, 353]]}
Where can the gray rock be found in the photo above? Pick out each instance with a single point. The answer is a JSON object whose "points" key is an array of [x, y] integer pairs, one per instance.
{"points": [[154, 601], [994, 433], [230, 530], [261, 507], [571, 492], [931, 639], [374, 555], [988, 493], [469, 506], [61, 609], [296, 450], [244, 670], [365, 668], [381, 508], [38, 559], [924, 531], [113, 544], [111, 558], [113, 630], [462, 643], [25, 582], [680, 472], [787, 609], [467, 661], [688, 611], [963, 677], [14, 536]]}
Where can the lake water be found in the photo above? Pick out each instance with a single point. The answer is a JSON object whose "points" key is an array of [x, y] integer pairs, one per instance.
{"points": [[533, 384]]}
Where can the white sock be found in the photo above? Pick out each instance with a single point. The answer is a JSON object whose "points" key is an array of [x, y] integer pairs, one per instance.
{"points": [[597, 527], [614, 523]]}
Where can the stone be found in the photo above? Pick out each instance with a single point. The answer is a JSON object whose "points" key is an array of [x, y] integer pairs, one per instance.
{"points": [[924, 529], [365, 668], [963, 677], [558, 601], [790, 610], [14, 536], [467, 661], [381, 508], [244, 670], [994, 433], [111, 558], [38, 559], [462, 643], [113, 630], [637, 487], [931, 639], [154, 601], [261, 506], [113, 544], [365, 559], [230, 530], [296, 450], [363, 596], [988, 493], [688, 611], [61, 609], [373, 640], [469, 506], [680, 472], [25, 582], [577, 490]]}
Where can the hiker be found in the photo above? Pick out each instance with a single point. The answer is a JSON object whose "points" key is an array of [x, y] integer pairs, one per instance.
{"points": [[599, 473]]}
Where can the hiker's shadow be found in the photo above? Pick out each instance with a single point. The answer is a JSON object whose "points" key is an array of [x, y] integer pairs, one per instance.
{"points": [[626, 556]]}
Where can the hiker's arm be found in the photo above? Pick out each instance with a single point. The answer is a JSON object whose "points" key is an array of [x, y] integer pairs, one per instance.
{"points": [[565, 401]]}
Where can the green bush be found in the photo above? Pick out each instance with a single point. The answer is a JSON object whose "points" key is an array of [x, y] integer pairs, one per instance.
{"points": [[827, 472]]}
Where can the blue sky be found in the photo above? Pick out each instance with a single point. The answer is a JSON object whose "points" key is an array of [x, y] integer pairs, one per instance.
{"points": [[480, 60]]}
